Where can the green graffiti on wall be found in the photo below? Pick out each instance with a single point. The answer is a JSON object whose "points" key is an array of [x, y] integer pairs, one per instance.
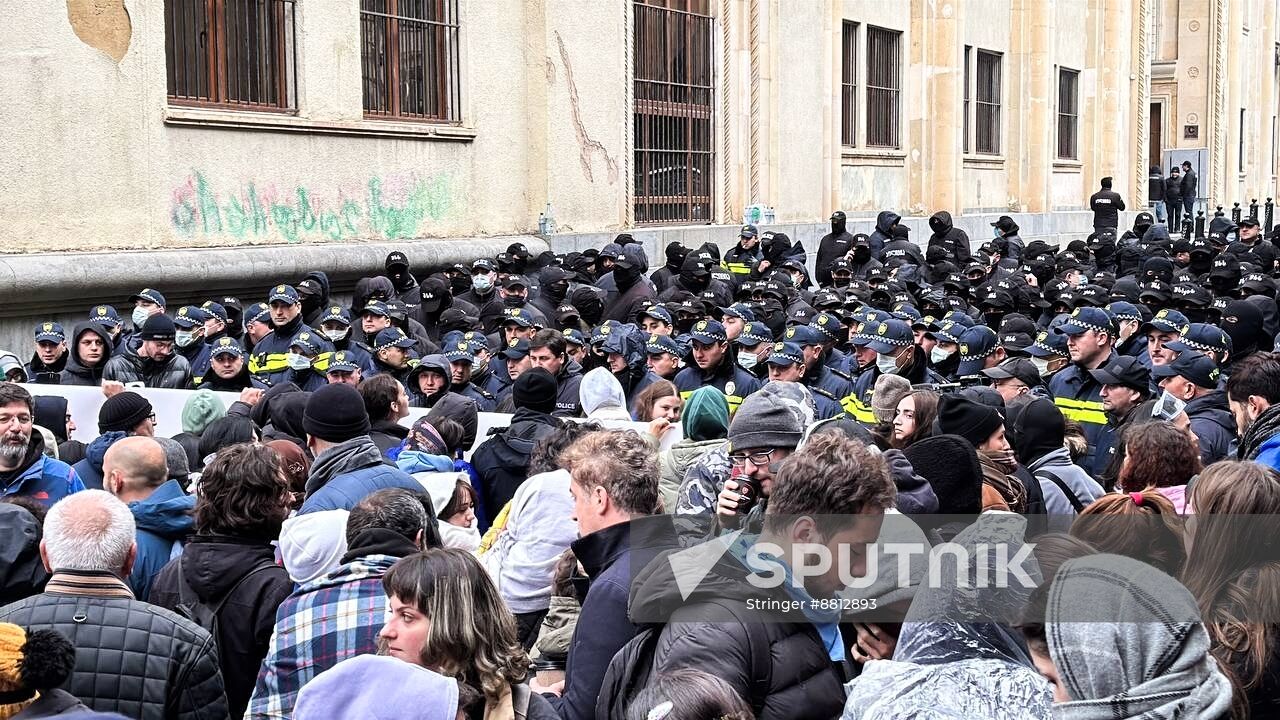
{"points": [[387, 209]]}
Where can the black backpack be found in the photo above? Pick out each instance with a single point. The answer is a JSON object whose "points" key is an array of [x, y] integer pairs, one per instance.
{"points": [[203, 613], [631, 669]]}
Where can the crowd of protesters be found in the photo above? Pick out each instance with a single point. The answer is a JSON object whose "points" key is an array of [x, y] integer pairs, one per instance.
{"points": [[308, 552]]}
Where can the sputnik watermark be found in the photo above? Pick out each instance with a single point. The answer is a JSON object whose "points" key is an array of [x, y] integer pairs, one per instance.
{"points": [[985, 566], [950, 565]]}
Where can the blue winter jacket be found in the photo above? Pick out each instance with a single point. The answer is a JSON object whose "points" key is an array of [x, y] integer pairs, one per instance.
{"points": [[162, 520], [46, 480], [1269, 452], [89, 470], [342, 492]]}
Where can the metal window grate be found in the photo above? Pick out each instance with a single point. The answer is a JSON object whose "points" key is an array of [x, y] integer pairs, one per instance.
{"points": [[1068, 113], [409, 56], [987, 98], [673, 114], [232, 53], [849, 86], [884, 86]]}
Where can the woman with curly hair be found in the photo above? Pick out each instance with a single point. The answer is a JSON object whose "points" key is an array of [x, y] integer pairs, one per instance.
{"points": [[1158, 455], [446, 615], [1233, 569]]}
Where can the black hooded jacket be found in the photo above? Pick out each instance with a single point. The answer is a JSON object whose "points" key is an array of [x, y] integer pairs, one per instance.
{"points": [[502, 460], [312, 309], [883, 234], [366, 289], [76, 372], [949, 237], [835, 244], [213, 566]]}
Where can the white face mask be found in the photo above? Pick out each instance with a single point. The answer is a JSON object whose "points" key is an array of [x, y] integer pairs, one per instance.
{"points": [[140, 316], [482, 283], [886, 363], [1042, 365], [184, 338], [747, 359], [938, 355], [297, 362], [335, 335]]}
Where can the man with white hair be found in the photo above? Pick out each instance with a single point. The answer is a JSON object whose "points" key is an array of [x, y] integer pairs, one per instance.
{"points": [[132, 658]]}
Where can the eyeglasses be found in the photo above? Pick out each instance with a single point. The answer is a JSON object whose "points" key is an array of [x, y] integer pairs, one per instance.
{"points": [[152, 417], [759, 459]]}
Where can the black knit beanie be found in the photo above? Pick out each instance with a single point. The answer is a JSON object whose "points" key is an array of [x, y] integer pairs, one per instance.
{"points": [[536, 390], [336, 413], [951, 466], [970, 420], [122, 412]]}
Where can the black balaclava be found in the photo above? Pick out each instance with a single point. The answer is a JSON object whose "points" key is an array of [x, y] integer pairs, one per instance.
{"points": [[590, 305], [400, 276], [695, 275], [773, 316], [676, 254], [837, 223], [459, 282], [625, 277], [861, 248], [1242, 322]]}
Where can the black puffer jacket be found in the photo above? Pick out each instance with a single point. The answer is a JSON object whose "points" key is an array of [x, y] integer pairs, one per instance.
{"points": [[714, 631], [174, 373], [213, 566], [132, 658]]}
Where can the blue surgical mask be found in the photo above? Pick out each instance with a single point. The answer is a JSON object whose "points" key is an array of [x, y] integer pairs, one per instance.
{"points": [[297, 362], [939, 355], [184, 338], [747, 359], [482, 283], [886, 363], [140, 316]]}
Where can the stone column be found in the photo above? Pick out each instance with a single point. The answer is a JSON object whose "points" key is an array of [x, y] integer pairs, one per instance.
{"points": [[1029, 147], [935, 127]]}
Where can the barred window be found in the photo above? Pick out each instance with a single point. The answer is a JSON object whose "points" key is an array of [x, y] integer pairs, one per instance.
{"points": [[987, 91], [409, 55], [673, 113], [884, 87], [1068, 113], [232, 53], [849, 86]]}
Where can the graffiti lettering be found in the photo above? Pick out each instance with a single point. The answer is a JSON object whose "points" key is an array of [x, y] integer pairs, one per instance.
{"points": [[395, 208]]}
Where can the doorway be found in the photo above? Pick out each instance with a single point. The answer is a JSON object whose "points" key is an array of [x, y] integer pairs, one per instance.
{"points": [[1155, 148]]}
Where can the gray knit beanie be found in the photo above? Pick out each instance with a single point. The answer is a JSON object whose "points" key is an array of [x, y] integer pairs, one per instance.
{"points": [[773, 417], [888, 391]]}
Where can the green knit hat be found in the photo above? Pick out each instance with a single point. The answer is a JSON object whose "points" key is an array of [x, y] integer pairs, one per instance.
{"points": [[706, 415], [202, 408]]}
